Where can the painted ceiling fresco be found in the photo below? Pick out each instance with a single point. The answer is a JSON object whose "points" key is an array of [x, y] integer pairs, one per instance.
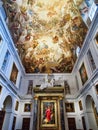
{"points": [[46, 33]]}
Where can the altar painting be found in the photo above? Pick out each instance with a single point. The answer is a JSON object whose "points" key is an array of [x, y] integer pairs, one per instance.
{"points": [[48, 113]]}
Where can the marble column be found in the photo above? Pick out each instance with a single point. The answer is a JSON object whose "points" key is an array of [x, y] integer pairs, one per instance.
{"points": [[35, 113], [62, 114]]}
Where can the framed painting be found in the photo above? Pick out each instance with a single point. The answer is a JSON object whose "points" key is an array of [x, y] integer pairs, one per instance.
{"points": [[14, 73], [48, 113], [69, 107], [83, 73], [27, 107]]}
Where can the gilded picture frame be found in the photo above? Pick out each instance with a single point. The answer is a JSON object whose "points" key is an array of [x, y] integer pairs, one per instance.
{"points": [[48, 113], [83, 73]]}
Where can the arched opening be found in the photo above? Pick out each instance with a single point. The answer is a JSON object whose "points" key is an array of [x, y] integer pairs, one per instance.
{"points": [[7, 108], [91, 113]]}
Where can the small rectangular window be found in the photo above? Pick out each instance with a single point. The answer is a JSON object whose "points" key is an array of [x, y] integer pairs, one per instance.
{"points": [[30, 87], [67, 87], [91, 60], [88, 21], [5, 62]]}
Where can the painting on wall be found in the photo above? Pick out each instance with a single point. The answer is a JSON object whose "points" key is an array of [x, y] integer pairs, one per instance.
{"points": [[14, 73], [69, 107], [27, 107], [83, 73], [48, 113], [46, 44]]}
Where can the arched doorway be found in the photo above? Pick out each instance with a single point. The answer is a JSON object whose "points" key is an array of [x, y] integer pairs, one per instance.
{"points": [[7, 108], [91, 113]]}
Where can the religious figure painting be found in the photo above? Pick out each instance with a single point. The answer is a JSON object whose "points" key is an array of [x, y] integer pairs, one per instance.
{"points": [[14, 73], [48, 113], [49, 32], [27, 107], [83, 73], [69, 107]]}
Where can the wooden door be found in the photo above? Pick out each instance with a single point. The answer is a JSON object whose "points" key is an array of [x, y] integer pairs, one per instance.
{"points": [[14, 122], [2, 114], [71, 124], [83, 122], [26, 124]]}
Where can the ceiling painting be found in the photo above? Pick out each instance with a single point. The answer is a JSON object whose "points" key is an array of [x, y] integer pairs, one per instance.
{"points": [[46, 33]]}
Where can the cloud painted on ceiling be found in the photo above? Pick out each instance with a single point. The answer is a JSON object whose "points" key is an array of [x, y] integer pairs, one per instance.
{"points": [[46, 33]]}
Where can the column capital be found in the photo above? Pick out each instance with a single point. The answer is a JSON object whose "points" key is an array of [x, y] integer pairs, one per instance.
{"points": [[35, 97], [60, 97]]}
